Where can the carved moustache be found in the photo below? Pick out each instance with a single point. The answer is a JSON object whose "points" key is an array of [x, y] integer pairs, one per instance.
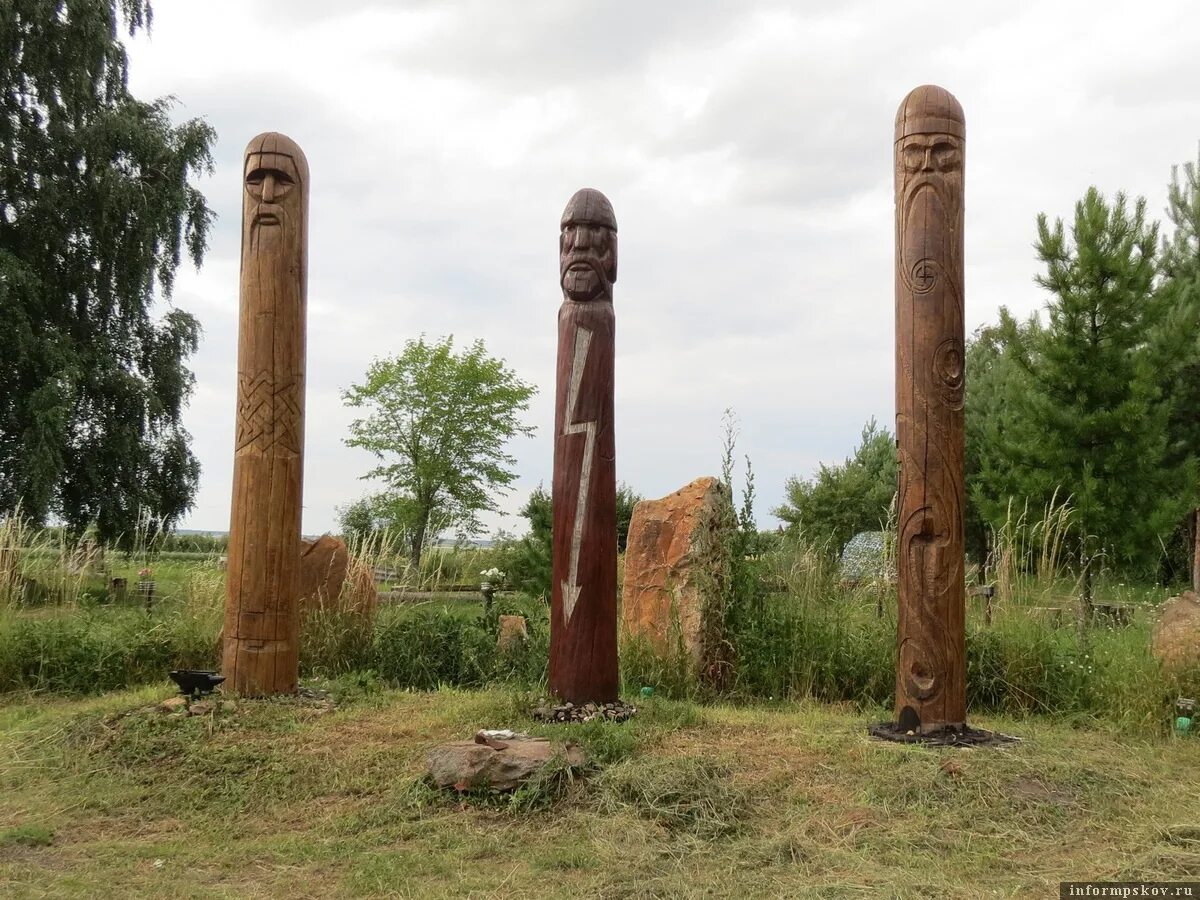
{"points": [[268, 214]]}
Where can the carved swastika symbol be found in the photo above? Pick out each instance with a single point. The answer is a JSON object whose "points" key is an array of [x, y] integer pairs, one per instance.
{"points": [[924, 275]]}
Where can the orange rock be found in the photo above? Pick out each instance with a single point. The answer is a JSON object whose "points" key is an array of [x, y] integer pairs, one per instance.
{"points": [[676, 567], [1176, 640]]}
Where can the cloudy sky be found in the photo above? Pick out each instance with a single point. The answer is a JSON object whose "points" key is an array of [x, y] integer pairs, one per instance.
{"points": [[746, 148]]}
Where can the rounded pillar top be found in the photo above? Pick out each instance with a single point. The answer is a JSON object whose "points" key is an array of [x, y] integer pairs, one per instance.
{"points": [[930, 109], [588, 206], [274, 142]]}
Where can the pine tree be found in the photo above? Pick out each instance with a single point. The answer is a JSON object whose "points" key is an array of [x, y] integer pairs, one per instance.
{"points": [[1178, 342], [95, 208], [1091, 421], [993, 451]]}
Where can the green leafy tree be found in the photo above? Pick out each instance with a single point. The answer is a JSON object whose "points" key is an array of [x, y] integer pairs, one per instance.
{"points": [[383, 518], [96, 208], [438, 421], [842, 500], [528, 563], [1091, 418]]}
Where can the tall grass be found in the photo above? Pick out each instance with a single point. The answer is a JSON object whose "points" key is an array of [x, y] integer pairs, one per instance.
{"points": [[1027, 561], [805, 635]]}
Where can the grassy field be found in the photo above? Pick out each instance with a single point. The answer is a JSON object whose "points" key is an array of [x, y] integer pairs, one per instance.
{"points": [[102, 797]]}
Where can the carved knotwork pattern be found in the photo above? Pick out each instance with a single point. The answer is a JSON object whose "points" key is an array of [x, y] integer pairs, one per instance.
{"points": [[268, 415]]}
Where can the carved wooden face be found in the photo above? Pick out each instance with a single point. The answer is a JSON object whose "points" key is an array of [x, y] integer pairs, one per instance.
{"points": [[926, 154], [274, 202], [587, 260]]}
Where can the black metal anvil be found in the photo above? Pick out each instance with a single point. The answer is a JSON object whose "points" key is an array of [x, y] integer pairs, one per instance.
{"points": [[194, 682]]}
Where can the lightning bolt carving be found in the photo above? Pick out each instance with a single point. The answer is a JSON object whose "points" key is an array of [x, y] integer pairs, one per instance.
{"points": [[571, 586]]}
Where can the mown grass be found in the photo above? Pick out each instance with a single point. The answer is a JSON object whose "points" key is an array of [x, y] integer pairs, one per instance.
{"points": [[290, 798]]}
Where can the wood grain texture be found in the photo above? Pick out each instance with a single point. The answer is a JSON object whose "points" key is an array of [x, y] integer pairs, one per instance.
{"points": [[929, 156], [262, 622], [583, 607]]}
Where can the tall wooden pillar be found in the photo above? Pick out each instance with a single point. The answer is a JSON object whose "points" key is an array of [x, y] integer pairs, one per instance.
{"points": [[262, 624], [583, 607], [929, 150]]}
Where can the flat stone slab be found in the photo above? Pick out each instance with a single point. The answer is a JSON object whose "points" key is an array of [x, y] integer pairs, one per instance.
{"points": [[489, 762]]}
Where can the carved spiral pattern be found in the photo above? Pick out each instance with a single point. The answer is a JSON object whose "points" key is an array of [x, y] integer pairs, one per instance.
{"points": [[948, 372]]}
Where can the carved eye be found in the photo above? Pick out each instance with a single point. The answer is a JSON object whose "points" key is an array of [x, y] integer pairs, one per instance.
{"points": [[914, 157], [946, 158], [271, 183]]}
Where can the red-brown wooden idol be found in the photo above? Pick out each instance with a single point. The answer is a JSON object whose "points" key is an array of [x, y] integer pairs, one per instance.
{"points": [[931, 671], [262, 623], [583, 607]]}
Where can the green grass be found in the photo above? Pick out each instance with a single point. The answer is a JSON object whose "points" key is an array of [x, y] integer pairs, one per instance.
{"points": [[286, 798]]}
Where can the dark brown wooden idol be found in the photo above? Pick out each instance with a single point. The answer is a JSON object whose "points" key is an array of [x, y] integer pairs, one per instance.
{"points": [[262, 623], [583, 608], [931, 669]]}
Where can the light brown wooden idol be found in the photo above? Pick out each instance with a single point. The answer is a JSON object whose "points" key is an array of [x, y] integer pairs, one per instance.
{"points": [[583, 604], [262, 622], [931, 672]]}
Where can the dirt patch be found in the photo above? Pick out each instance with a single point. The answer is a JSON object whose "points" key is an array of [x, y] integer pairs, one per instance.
{"points": [[1028, 790]]}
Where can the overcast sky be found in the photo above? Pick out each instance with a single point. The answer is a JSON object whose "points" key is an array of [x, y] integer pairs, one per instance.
{"points": [[746, 148]]}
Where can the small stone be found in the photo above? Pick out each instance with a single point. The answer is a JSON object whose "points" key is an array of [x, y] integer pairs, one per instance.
{"points": [[171, 704], [513, 632]]}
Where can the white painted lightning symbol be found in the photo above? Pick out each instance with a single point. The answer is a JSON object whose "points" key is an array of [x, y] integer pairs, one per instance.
{"points": [[571, 586]]}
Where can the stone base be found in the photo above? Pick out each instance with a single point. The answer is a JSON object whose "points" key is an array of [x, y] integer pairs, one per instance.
{"points": [[584, 712]]}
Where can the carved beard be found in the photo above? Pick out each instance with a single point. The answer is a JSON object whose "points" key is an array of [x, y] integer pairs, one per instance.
{"points": [[588, 283], [272, 230], [586, 274], [272, 285], [923, 196]]}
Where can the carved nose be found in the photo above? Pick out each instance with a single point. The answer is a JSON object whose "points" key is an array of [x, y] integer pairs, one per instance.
{"points": [[583, 238], [268, 189], [928, 166]]}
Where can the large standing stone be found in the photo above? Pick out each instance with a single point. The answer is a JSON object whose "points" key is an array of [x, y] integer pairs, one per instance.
{"points": [[1176, 640], [323, 565], [676, 567]]}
